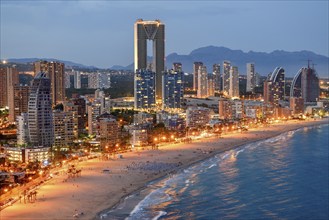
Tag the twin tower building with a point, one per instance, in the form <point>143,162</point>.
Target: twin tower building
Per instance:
<point>153,85</point>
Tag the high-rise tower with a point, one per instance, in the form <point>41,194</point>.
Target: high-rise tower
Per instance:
<point>306,85</point>
<point>217,77</point>
<point>196,66</point>
<point>8,80</point>
<point>202,91</point>
<point>40,117</point>
<point>251,77</point>
<point>55,72</point>
<point>234,82</point>
<point>154,31</point>
<point>226,77</point>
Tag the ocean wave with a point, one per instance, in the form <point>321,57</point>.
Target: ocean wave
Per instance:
<point>161,213</point>
<point>185,178</point>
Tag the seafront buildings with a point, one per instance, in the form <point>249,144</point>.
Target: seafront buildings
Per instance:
<point>168,105</point>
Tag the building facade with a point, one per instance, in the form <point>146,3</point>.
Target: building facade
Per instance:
<point>226,77</point>
<point>274,87</point>
<point>94,110</point>
<point>296,105</point>
<point>202,91</point>
<point>8,80</point>
<point>217,77</point>
<point>196,67</point>
<point>20,103</point>
<point>305,85</point>
<point>22,129</point>
<point>234,82</point>
<point>173,89</point>
<point>251,77</point>
<point>40,118</point>
<point>65,129</point>
<point>144,89</point>
<point>197,116</point>
<point>109,132</point>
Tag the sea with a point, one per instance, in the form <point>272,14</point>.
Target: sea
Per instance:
<point>284,177</point>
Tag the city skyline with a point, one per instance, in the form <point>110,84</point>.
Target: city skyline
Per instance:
<point>105,37</point>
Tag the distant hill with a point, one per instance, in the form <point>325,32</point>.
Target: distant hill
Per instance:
<point>264,62</point>
<point>67,63</point>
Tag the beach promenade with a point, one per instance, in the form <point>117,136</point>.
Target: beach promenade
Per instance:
<point>103,184</point>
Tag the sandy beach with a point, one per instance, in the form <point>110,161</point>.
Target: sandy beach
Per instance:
<point>95,190</point>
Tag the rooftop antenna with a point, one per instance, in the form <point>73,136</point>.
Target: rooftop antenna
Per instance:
<point>308,63</point>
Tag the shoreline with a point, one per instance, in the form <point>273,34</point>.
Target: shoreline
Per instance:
<point>96,192</point>
<point>136,201</point>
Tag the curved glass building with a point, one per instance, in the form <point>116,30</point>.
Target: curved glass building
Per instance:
<point>305,85</point>
<point>40,117</point>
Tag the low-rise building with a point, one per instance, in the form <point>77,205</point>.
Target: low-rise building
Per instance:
<point>198,116</point>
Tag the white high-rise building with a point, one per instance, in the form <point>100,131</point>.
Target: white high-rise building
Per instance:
<point>40,117</point>
<point>234,82</point>
<point>22,129</point>
<point>211,84</point>
<point>77,80</point>
<point>196,67</point>
<point>226,77</point>
<point>251,77</point>
<point>202,91</point>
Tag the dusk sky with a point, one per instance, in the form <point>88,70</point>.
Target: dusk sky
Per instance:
<point>100,33</point>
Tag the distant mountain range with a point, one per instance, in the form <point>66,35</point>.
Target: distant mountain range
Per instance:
<point>264,62</point>
<point>67,63</point>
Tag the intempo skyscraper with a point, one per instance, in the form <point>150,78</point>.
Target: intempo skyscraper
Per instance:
<point>154,31</point>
